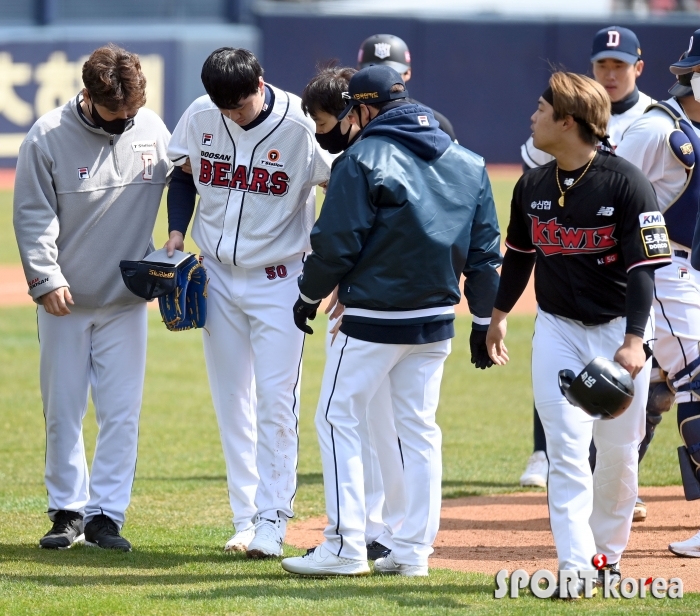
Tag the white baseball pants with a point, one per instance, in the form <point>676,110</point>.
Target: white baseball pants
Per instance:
<point>589,514</point>
<point>382,461</point>
<point>102,351</point>
<point>677,308</point>
<point>253,349</point>
<point>354,372</point>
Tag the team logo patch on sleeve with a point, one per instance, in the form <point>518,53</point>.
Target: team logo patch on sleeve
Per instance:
<point>656,242</point>
<point>207,139</point>
<point>651,219</point>
<point>83,173</point>
<point>423,120</point>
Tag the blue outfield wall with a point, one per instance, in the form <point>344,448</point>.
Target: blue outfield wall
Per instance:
<point>40,68</point>
<point>485,76</point>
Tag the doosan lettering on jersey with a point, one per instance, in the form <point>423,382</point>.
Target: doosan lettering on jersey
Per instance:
<point>251,180</point>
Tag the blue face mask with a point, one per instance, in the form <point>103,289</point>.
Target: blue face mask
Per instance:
<point>113,127</point>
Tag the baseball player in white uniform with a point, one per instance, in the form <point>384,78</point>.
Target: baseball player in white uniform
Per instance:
<point>382,462</point>
<point>255,164</point>
<point>590,225</point>
<point>665,144</point>
<point>90,176</point>
<point>616,64</point>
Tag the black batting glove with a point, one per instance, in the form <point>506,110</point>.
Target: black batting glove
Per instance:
<point>477,345</point>
<point>303,311</point>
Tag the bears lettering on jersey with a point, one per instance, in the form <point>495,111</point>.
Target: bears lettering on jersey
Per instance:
<point>259,180</point>
<point>553,239</point>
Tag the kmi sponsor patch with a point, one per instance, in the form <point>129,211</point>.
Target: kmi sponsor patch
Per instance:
<point>656,243</point>
<point>651,219</point>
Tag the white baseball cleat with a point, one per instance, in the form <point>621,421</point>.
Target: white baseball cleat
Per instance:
<point>689,547</point>
<point>640,511</point>
<point>536,472</point>
<point>319,561</point>
<point>240,541</point>
<point>388,565</point>
<point>268,540</point>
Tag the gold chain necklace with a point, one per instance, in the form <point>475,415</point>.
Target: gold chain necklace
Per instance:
<point>561,198</point>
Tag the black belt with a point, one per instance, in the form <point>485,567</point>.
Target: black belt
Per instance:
<point>683,254</point>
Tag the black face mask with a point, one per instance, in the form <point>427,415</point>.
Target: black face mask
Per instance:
<point>113,127</point>
<point>334,141</point>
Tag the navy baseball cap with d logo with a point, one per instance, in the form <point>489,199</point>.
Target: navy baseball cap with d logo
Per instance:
<point>690,59</point>
<point>616,43</point>
<point>372,85</point>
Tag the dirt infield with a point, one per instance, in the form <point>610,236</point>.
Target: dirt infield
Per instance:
<point>511,531</point>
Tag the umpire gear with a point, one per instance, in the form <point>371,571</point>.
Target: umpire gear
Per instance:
<point>604,389</point>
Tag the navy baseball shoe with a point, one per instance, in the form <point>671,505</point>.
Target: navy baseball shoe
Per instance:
<point>67,530</point>
<point>103,532</point>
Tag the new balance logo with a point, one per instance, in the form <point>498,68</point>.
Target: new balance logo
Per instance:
<point>606,211</point>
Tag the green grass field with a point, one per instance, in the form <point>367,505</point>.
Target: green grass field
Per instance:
<point>180,518</point>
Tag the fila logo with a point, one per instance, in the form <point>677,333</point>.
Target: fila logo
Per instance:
<point>606,211</point>
<point>683,273</point>
<point>554,239</point>
<point>651,219</point>
<point>382,50</point>
<point>423,120</point>
<point>83,173</point>
<point>207,139</point>
<point>613,38</point>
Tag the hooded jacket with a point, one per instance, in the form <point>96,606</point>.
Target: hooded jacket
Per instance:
<point>407,211</point>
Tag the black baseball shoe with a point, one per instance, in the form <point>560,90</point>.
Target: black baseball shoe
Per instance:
<point>102,532</point>
<point>613,573</point>
<point>66,531</point>
<point>376,550</point>
<point>579,592</point>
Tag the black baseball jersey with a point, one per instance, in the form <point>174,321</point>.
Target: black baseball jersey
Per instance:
<point>609,224</point>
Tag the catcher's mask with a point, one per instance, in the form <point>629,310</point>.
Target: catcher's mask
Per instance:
<point>154,276</point>
<point>604,389</point>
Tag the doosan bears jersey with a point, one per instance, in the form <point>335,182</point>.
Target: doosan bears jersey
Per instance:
<point>609,224</point>
<point>617,126</point>
<point>257,186</point>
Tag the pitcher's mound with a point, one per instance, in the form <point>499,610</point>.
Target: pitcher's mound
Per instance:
<point>511,531</point>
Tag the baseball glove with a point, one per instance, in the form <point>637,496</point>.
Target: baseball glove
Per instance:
<point>179,282</point>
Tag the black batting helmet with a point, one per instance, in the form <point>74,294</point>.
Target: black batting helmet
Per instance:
<point>604,389</point>
<point>384,49</point>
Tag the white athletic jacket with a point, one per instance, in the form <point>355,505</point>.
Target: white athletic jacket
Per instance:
<point>257,187</point>
<point>84,200</point>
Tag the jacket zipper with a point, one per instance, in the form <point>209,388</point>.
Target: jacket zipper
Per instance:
<point>114,155</point>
